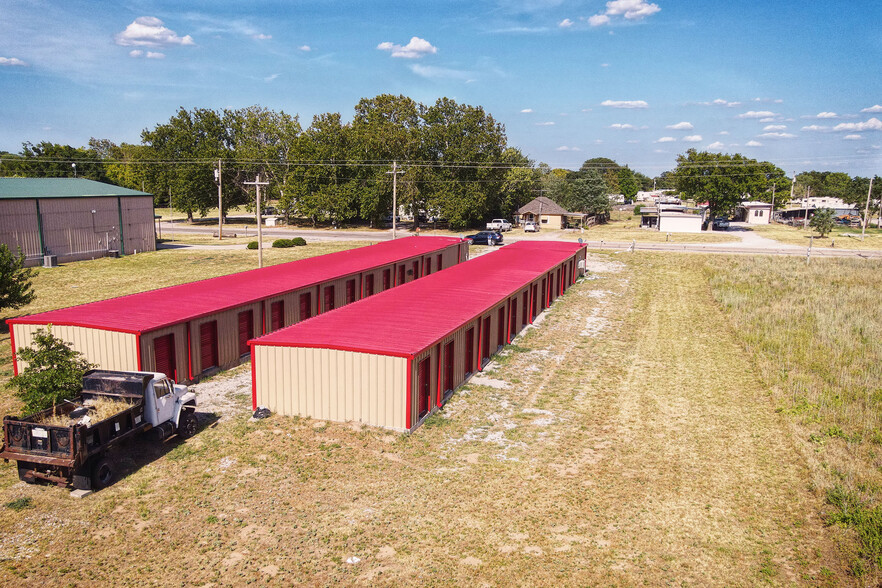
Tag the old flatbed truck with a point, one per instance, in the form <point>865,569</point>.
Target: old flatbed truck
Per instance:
<point>76,453</point>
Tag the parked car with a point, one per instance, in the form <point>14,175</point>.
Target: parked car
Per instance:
<point>499,224</point>
<point>486,238</point>
<point>721,224</point>
<point>531,227</point>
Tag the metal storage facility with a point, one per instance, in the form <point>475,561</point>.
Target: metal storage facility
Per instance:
<point>187,330</point>
<point>391,360</point>
<point>73,219</point>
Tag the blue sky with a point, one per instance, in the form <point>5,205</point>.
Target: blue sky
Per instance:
<point>794,83</point>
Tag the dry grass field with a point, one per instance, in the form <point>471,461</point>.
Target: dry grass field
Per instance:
<point>643,432</point>
<point>843,237</point>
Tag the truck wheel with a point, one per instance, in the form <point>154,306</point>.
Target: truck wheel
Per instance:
<point>187,424</point>
<point>102,474</point>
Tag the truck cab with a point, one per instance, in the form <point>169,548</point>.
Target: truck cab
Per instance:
<point>166,404</point>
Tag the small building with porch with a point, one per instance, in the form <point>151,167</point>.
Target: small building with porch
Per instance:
<point>753,213</point>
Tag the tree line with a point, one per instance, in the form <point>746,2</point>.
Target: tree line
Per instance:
<point>455,164</point>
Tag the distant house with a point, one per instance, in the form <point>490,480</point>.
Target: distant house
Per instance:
<point>73,219</point>
<point>754,213</point>
<point>545,212</point>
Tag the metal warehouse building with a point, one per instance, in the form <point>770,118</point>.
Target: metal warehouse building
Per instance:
<point>187,330</point>
<point>391,360</point>
<point>73,219</point>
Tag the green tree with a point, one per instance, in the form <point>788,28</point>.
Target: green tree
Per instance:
<point>822,221</point>
<point>54,372</point>
<point>589,194</point>
<point>15,279</point>
<point>188,146</point>
<point>724,180</point>
<point>628,183</point>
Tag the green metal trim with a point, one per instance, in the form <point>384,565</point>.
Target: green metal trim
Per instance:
<point>40,228</point>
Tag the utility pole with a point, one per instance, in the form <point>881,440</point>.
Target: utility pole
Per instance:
<point>218,176</point>
<point>257,184</point>
<point>867,210</point>
<point>395,171</point>
<point>808,194</point>
<point>772,212</point>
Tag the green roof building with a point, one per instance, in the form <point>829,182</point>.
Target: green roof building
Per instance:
<point>55,220</point>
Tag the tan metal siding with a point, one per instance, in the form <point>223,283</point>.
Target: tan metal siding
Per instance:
<point>148,359</point>
<point>331,385</point>
<point>227,336</point>
<point>109,350</point>
<point>19,228</point>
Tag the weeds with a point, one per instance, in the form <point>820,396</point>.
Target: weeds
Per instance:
<point>19,504</point>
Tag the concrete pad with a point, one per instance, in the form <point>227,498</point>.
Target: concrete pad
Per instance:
<point>80,493</point>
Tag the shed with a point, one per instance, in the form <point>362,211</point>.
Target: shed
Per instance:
<point>393,359</point>
<point>187,330</point>
<point>73,219</point>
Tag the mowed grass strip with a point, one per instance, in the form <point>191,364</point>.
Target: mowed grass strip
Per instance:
<point>815,332</point>
<point>622,440</point>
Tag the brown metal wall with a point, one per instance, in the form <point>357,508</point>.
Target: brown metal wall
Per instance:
<point>19,228</point>
<point>332,385</point>
<point>110,350</point>
<point>138,231</point>
<point>72,232</point>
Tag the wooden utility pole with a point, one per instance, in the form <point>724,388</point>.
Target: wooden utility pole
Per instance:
<point>257,184</point>
<point>808,194</point>
<point>395,171</point>
<point>867,210</point>
<point>220,206</point>
<point>772,212</point>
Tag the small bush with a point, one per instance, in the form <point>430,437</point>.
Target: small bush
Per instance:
<point>19,504</point>
<point>298,241</point>
<point>252,245</point>
<point>638,208</point>
<point>283,243</point>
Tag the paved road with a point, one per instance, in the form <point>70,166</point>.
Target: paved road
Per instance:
<point>751,243</point>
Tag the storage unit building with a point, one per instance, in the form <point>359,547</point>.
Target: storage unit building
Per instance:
<point>187,330</point>
<point>392,359</point>
<point>73,219</point>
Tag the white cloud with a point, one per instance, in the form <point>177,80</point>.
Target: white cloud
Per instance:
<point>261,37</point>
<point>565,148</point>
<point>270,78</point>
<point>545,124</point>
<point>12,61</point>
<point>415,49</point>
<point>693,139</point>
<point>565,23</point>
<point>604,65</point>
<point>724,133</point>
<point>876,108</point>
<point>777,136</point>
<point>874,124</point>
<point>149,31</point>
<point>753,144</point>
<point>622,127</point>
<point>625,103</point>
<point>155,55</point>
<point>756,114</point>
<point>720,102</point>
<point>630,9</point>
<point>826,115</point>
<point>681,126</point>
<point>715,145</point>
<point>598,20</point>
<point>665,140</point>
<point>136,53</point>
<point>305,48</point>
<point>852,137</point>
<point>527,111</point>
<point>815,128</point>
<point>432,72</point>
<point>775,127</point>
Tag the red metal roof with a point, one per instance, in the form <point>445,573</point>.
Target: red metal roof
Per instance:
<point>148,311</point>
<point>411,318</point>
